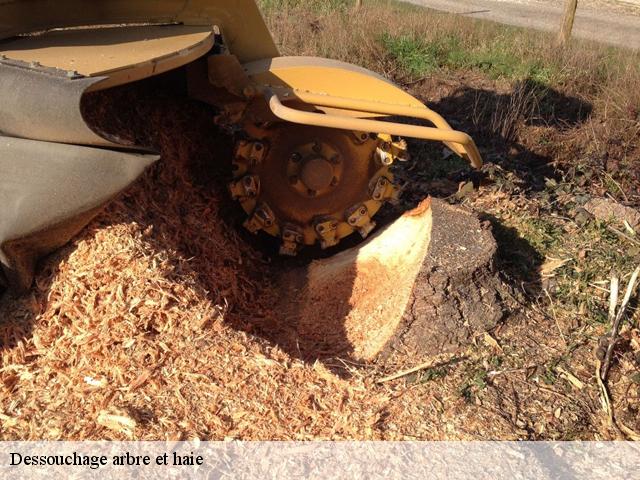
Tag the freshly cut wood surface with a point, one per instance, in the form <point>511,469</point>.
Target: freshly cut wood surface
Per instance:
<point>363,291</point>
<point>424,284</point>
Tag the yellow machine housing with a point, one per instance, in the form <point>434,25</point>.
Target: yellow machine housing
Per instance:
<point>313,146</point>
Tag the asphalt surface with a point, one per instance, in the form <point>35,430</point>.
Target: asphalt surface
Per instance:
<point>601,22</point>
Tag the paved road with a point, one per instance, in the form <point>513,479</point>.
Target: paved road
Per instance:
<point>595,21</point>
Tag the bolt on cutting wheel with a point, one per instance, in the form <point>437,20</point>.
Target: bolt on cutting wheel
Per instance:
<point>308,184</point>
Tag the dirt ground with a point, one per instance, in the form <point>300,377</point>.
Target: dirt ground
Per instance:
<point>156,322</point>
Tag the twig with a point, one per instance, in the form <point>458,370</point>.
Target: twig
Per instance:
<point>570,377</point>
<point>417,368</point>
<point>618,321</point>
<point>613,297</point>
<point>555,317</point>
<point>553,392</point>
<point>607,406</point>
<point>604,398</point>
<point>630,433</point>
<point>413,82</point>
<point>626,199</point>
<point>598,287</point>
<point>629,228</point>
<point>623,235</point>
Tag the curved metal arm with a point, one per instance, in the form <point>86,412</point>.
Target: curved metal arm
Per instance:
<point>459,142</point>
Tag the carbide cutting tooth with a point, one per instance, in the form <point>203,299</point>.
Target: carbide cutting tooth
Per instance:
<point>327,230</point>
<point>261,218</point>
<point>365,230</point>
<point>291,241</point>
<point>247,186</point>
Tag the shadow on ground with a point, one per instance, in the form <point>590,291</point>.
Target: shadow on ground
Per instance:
<point>511,129</point>
<point>502,124</point>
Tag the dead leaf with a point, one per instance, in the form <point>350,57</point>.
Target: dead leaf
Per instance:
<point>551,264</point>
<point>492,342</point>
<point>570,377</point>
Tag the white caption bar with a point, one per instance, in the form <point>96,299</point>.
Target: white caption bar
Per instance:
<point>321,460</point>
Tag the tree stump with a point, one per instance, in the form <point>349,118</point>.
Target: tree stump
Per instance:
<point>423,285</point>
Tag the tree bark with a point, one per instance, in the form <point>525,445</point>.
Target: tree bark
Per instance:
<point>458,293</point>
<point>567,22</point>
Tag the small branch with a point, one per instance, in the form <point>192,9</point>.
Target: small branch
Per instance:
<point>618,321</point>
<point>630,433</point>
<point>555,317</point>
<point>607,407</point>
<point>422,366</point>
<point>605,401</point>
<point>626,199</point>
<point>613,297</point>
<point>570,377</point>
<point>623,235</point>
<point>413,82</point>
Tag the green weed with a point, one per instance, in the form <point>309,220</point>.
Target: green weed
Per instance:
<point>418,57</point>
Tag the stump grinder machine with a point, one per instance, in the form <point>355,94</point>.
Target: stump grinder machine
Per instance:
<point>314,139</point>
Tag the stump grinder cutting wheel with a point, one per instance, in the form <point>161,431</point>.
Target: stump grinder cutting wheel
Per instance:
<point>313,148</point>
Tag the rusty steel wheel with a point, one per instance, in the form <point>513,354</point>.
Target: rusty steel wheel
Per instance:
<point>308,184</point>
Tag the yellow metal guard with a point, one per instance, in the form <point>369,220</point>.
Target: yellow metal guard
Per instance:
<point>459,142</point>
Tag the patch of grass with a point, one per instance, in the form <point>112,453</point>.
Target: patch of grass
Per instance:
<point>527,239</point>
<point>596,252</point>
<point>475,383</point>
<point>495,361</point>
<point>441,166</point>
<point>432,374</point>
<point>541,233</point>
<point>418,56</point>
<point>412,55</point>
<point>549,376</point>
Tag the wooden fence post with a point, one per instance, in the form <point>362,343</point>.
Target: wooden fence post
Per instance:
<point>567,22</point>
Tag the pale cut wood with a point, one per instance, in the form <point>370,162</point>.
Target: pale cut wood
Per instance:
<point>353,302</point>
